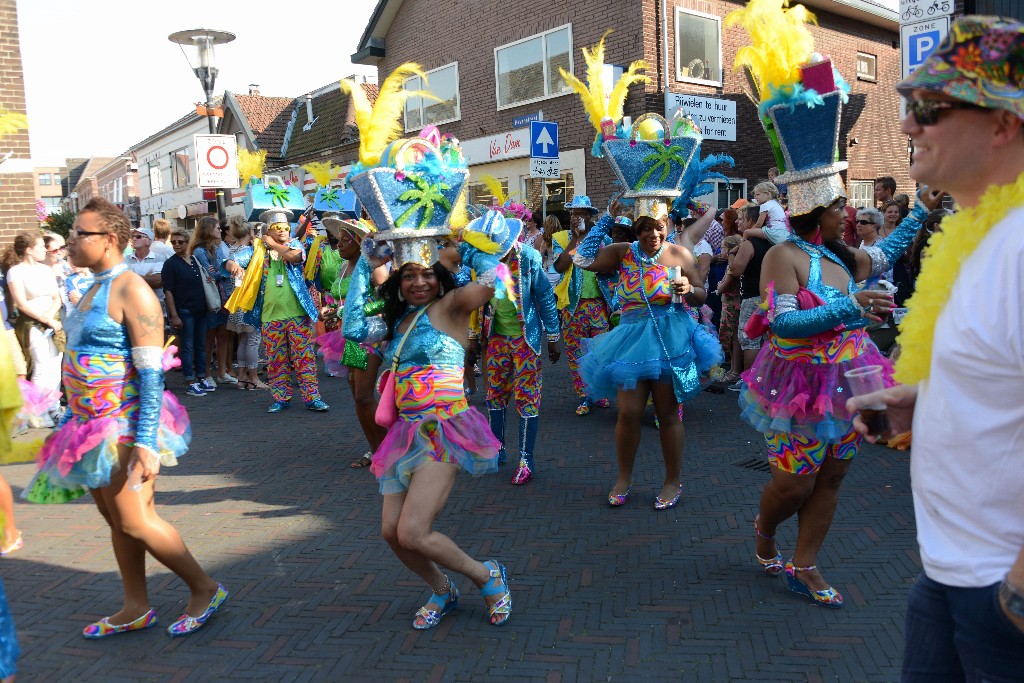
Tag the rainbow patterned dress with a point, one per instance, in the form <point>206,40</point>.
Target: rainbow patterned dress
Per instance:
<point>435,423</point>
<point>102,387</point>
<point>796,386</point>
<point>655,339</point>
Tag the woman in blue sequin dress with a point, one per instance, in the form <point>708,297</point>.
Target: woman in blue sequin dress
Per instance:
<point>121,426</point>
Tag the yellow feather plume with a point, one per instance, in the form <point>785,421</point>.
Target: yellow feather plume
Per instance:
<point>11,122</point>
<point>251,164</point>
<point>780,42</point>
<point>493,186</point>
<point>459,217</point>
<point>592,92</point>
<point>381,123</point>
<point>322,172</point>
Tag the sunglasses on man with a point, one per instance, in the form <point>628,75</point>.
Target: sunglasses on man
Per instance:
<point>926,112</point>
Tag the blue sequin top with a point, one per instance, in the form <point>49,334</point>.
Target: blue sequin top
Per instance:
<point>830,294</point>
<point>93,330</point>
<point>425,346</point>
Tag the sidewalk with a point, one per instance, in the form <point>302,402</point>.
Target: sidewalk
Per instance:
<point>269,506</point>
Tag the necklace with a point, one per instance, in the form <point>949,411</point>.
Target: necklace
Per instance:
<point>648,260</point>
<point>110,273</point>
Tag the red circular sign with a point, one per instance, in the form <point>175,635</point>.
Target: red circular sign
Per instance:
<point>211,162</point>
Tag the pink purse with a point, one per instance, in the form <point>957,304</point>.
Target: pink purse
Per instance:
<point>387,408</point>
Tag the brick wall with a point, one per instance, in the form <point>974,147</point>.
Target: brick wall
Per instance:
<point>468,33</point>
<point>17,190</point>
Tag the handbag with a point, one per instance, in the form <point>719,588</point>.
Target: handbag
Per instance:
<point>387,407</point>
<point>210,290</point>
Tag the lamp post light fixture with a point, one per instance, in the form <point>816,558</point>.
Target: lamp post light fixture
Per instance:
<point>204,40</point>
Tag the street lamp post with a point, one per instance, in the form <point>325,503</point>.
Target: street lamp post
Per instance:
<point>204,40</point>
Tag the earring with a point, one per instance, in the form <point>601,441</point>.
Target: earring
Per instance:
<point>400,297</point>
<point>440,290</point>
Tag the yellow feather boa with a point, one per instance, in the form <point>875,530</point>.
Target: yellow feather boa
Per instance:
<point>244,297</point>
<point>947,250</point>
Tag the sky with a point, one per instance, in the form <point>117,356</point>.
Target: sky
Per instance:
<point>101,76</point>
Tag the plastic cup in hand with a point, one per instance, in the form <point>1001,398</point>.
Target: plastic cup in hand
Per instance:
<point>867,380</point>
<point>674,272</point>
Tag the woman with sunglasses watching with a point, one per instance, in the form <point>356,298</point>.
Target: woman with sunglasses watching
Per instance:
<point>121,426</point>
<point>186,311</point>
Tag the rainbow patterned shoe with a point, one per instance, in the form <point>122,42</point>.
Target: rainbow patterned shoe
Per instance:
<point>661,504</point>
<point>186,624</point>
<point>104,629</point>
<point>829,597</point>
<point>523,473</point>
<point>603,403</point>
<point>619,499</point>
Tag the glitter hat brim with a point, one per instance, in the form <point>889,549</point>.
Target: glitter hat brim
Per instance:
<point>811,188</point>
<point>980,61</point>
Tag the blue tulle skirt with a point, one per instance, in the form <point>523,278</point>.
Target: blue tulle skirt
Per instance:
<point>633,352</point>
<point>9,651</point>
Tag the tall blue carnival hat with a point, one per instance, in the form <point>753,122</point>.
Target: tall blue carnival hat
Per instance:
<point>800,100</point>
<point>649,157</point>
<point>409,187</point>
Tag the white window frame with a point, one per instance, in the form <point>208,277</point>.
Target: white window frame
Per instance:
<point>154,166</point>
<point>734,183</point>
<point>866,188</point>
<point>423,118</point>
<point>544,61</point>
<point>187,151</point>
<point>675,38</point>
<point>873,60</point>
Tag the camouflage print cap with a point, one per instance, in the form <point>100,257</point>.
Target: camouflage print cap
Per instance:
<point>980,61</point>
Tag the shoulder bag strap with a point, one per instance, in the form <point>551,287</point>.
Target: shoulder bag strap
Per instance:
<point>398,351</point>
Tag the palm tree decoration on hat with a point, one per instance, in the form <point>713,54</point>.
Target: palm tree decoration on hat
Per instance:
<point>664,155</point>
<point>426,195</point>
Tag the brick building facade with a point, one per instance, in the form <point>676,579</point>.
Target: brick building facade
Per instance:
<point>471,36</point>
<point>17,180</point>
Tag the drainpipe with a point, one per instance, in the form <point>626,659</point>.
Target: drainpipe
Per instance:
<point>664,43</point>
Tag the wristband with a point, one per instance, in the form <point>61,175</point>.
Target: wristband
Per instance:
<point>553,338</point>
<point>1013,598</point>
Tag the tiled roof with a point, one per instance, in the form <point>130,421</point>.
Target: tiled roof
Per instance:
<point>268,119</point>
<point>334,126</point>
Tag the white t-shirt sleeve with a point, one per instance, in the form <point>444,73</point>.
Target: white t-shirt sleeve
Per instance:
<point>702,247</point>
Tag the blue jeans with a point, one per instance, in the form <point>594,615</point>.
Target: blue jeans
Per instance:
<point>959,634</point>
<point>192,344</point>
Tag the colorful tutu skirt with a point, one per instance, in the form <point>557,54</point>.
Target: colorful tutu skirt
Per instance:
<point>342,354</point>
<point>796,386</point>
<point>633,352</point>
<point>103,408</point>
<point>435,424</point>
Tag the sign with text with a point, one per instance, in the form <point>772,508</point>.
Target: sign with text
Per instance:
<point>525,119</point>
<point>919,40</point>
<point>216,160</point>
<point>545,168</point>
<point>544,139</point>
<point>499,147</point>
<point>922,10</point>
<point>716,117</point>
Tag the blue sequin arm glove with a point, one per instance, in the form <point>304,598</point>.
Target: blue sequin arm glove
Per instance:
<point>792,323</point>
<point>485,265</point>
<point>887,251</point>
<point>355,324</point>
<point>586,252</point>
<point>149,366</point>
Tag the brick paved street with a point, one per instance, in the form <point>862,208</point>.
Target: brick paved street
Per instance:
<point>269,506</point>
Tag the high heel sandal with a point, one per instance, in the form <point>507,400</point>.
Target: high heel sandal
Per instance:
<point>772,567</point>
<point>497,585</point>
<point>447,601</point>
<point>619,499</point>
<point>829,597</point>
<point>660,504</point>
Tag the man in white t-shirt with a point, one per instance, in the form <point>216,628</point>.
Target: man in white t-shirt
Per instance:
<point>965,614</point>
<point>146,262</point>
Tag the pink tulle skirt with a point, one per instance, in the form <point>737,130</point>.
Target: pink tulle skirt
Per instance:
<point>797,386</point>
<point>464,439</point>
<point>82,453</point>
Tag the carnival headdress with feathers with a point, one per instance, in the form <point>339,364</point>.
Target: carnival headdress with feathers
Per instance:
<point>779,43</point>
<point>598,107</point>
<point>381,123</point>
<point>322,171</point>
<point>251,165</point>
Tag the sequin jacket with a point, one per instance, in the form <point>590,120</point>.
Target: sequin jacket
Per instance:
<point>295,279</point>
<point>535,299</point>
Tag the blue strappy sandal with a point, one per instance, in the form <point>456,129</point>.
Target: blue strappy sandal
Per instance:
<point>501,610</point>
<point>427,618</point>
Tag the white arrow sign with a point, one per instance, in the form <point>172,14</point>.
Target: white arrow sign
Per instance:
<point>544,140</point>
